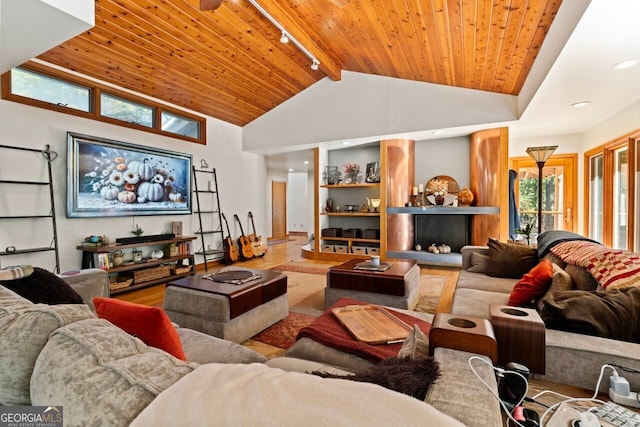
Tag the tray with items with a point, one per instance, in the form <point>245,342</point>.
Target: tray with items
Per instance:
<point>372,324</point>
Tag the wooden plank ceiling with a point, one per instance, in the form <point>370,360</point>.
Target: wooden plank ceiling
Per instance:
<point>229,63</point>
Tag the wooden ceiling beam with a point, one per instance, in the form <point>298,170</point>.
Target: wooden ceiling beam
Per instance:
<point>327,64</point>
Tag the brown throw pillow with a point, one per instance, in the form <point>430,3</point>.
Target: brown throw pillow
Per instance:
<point>510,260</point>
<point>412,377</point>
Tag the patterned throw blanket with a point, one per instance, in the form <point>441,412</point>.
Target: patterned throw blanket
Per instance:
<point>612,268</point>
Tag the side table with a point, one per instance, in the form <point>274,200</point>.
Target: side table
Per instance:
<point>521,336</point>
<point>464,333</point>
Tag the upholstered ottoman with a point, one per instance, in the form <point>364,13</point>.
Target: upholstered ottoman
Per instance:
<point>231,312</point>
<point>396,287</point>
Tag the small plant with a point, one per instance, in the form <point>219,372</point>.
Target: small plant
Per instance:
<point>526,231</point>
<point>137,231</point>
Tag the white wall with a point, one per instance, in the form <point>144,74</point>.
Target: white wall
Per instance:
<point>297,202</point>
<point>241,178</point>
<point>449,156</point>
<point>623,122</point>
<point>370,106</point>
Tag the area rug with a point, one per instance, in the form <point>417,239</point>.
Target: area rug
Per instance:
<point>305,288</point>
<point>283,333</point>
<point>301,281</point>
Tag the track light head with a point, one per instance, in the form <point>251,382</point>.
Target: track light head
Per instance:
<point>284,39</point>
<point>314,65</point>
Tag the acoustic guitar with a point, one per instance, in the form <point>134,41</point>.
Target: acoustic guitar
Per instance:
<point>259,248</point>
<point>246,250</point>
<point>230,250</point>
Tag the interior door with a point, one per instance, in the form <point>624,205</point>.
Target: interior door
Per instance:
<point>559,192</point>
<point>279,209</point>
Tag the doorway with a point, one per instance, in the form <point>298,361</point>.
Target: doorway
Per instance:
<point>559,192</point>
<point>278,210</point>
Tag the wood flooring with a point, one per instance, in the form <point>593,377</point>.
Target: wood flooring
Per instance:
<point>284,252</point>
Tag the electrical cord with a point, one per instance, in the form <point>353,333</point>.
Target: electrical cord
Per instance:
<point>572,399</point>
<point>488,387</point>
<point>625,368</point>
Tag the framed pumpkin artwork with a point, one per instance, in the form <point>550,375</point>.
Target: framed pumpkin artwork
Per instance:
<point>113,178</point>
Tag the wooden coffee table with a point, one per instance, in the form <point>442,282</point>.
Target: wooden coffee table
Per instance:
<point>224,310</point>
<point>395,287</point>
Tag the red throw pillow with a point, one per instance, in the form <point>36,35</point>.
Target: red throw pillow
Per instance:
<point>533,284</point>
<point>150,324</point>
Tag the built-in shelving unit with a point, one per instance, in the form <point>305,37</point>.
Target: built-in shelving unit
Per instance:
<point>350,214</point>
<point>349,210</point>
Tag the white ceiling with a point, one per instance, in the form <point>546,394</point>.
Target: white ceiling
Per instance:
<point>607,33</point>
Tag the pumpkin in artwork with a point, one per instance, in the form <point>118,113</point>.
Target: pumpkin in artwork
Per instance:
<point>151,191</point>
<point>127,197</point>
<point>144,170</point>
<point>109,193</point>
<point>129,186</point>
<point>175,197</point>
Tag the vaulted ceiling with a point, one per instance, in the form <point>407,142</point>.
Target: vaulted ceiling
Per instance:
<point>229,63</point>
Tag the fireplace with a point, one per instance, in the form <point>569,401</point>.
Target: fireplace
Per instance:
<point>451,230</point>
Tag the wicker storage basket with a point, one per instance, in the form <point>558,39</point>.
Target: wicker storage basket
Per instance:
<point>149,274</point>
<point>119,282</point>
<point>180,270</point>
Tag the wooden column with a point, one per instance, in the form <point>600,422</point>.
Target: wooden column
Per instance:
<point>397,163</point>
<point>489,179</point>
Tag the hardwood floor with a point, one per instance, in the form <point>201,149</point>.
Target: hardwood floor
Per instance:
<point>285,252</point>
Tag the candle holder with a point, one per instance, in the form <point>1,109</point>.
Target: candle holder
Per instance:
<point>420,199</point>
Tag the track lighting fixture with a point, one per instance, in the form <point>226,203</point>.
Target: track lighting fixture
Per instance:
<point>286,36</point>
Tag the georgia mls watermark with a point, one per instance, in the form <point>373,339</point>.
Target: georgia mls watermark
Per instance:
<point>31,416</point>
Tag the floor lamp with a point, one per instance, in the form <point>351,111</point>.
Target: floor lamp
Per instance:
<point>540,155</point>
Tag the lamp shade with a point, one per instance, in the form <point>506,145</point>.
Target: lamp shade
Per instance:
<point>541,154</point>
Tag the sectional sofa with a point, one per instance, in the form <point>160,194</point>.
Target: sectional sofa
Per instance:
<point>571,358</point>
<point>64,355</point>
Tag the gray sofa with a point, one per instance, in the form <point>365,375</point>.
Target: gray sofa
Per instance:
<point>64,355</point>
<point>571,358</point>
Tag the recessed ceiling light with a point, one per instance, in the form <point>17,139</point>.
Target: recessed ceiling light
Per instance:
<point>346,143</point>
<point>290,170</point>
<point>438,132</point>
<point>306,162</point>
<point>580,104</point>
<point>626,64</point>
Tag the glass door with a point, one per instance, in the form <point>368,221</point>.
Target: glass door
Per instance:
<point>596,197</point>
<point>620,197</point>
<point>559,186</point>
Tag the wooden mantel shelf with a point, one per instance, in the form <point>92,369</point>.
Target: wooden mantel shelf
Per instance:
<point>445,210</point>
